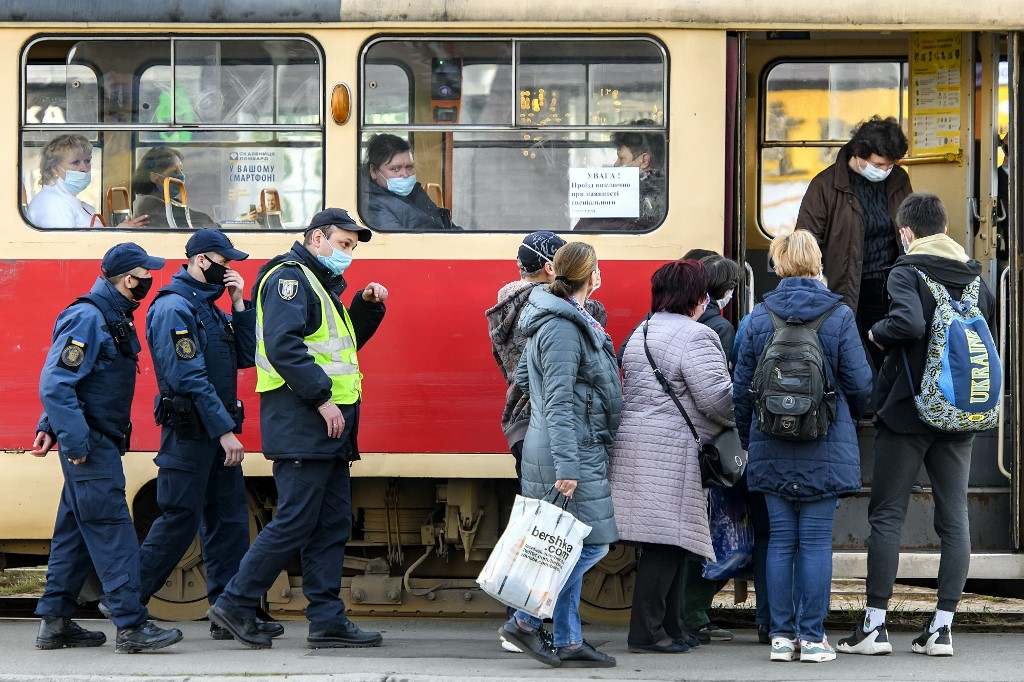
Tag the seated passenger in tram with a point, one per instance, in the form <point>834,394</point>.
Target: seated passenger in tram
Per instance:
<point>392,199</point>
<point>645,151</point>
<point>65,167</point>
<point>148,186</point>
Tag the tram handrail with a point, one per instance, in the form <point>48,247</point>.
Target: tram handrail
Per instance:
<point>1004,292</point>
<point>750,287</point>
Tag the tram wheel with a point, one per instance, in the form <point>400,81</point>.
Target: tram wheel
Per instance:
<point>608,587</point>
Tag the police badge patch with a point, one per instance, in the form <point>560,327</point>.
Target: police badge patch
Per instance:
<point>287,288</point>
<point>72,356</point>
<point>184,344</point>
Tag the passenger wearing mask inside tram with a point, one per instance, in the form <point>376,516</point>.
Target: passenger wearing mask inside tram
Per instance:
<point>850,207</point>
<point>65,168</point>
<point>645,151</point>
<point>148,187</point>
<point>392,198</point>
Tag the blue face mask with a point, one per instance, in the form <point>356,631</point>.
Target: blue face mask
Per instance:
<point>403,187</point>
<point>76,181</point>
<point>337,262</point>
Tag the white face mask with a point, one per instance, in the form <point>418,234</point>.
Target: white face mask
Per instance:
<point>75,181</point>
<point>873,173</point>
<point>724,301</point>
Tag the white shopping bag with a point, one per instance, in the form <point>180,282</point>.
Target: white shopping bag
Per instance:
<point>534,556</point>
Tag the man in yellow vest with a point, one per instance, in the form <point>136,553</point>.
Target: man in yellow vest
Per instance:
<point>310,385</point>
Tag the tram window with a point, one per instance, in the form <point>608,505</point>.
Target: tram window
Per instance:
<point>240,119</point>
<point>499,158</point>
<point>809,110</point>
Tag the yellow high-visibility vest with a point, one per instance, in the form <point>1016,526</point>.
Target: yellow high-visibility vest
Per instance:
<point>332,346</point>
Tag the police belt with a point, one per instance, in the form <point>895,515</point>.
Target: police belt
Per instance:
<point>123,440</point>
<point>179,413</point>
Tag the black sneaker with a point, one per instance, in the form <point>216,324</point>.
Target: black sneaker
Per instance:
<point>240,626</point>
<point>146,637</point>
<point>342,635</point>
<point>691,639</point>
<point>873,643</point>
<point>585,656</point>
<point>763,634</point>
<point>709,632</point>
<point>57,633</point>
<point>270,629</point>
<point>530,643</point>
<point>938,643</point>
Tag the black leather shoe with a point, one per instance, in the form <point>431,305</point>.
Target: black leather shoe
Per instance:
<point>585,657</point>
<point>676,646</point>
<point>531,643</point>
<point>690,639</point>
<point>57,633</point>
<point>343,635</point>
<point>270,629</point>
<point>146,637</point>
<point>241,627</point>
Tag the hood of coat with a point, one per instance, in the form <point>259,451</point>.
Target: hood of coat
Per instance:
<point>544,306</point>
<point>502,318</point>
<point>800,298</point>
<point>947,271</point>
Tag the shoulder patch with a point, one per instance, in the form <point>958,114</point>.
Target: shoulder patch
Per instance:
<point>184,343</point>
<point>72,356</point>
<point>287,288</point>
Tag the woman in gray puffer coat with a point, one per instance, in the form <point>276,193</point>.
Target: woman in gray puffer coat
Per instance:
<point>660,503</point>
<point>569,372</point>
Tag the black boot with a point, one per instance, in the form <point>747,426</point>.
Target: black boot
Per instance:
<point>270,629</point>
<point>57,633</point>
<point>146,637</point>
<point>243,628</point>
<point>344,634</point>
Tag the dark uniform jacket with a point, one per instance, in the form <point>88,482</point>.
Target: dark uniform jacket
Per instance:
<point>291,425</point>
<point>386,210</point>
<point>179,339</point>
<point>713,318</point>
<point>831,212</point>
<point>906,329</point>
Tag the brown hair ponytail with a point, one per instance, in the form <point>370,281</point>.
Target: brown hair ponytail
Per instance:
<point>573,265</point>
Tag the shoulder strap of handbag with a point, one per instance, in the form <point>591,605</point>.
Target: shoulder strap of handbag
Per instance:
<point>668,387</point>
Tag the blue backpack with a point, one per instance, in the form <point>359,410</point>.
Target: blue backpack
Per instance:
<point>962,372</point>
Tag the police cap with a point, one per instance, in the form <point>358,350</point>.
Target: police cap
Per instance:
<point>127,256</point>
<point>339,217</point>
<point>209,240</point>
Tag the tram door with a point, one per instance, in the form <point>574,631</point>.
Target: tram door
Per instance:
<point>802,94</point>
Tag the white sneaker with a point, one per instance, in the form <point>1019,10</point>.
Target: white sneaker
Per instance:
<point>509,646</point>
<point>938,643</point>
<point>816,652</point>
<point>784,649</point>
<point>874,643</point>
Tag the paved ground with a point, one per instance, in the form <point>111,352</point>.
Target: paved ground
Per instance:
<point>466,650</point>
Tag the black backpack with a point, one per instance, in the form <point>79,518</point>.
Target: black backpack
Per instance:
<point>793,396</point>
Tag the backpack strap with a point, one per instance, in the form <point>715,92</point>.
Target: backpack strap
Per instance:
<point>668,387</point>
<point>816,323</point>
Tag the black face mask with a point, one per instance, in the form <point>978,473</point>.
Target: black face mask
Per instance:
<point>140,290</point>
<point>215,273</point>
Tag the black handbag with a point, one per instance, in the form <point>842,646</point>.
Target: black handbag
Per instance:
<point>722,458</point>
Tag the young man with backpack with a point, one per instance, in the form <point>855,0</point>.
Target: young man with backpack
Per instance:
<point>938,385</point>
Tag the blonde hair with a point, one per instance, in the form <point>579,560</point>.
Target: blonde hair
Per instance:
<point>796,254</point>
<point>53,154</point>
<point>573,265</point>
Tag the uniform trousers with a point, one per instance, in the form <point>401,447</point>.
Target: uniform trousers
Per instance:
<point>94,530</point>
<point>313,518</point>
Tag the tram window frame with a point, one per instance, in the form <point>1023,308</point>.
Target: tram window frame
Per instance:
<point>762,107</point>
<point>364,130</point>
<point>96,130</point>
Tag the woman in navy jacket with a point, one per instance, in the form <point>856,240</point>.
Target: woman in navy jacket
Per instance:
<point>801,481</point>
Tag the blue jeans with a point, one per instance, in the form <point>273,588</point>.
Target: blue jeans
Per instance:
<point>566,618</point>
<point>800,566</point>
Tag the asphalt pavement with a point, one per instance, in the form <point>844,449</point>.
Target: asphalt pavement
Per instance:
<point>429,649</point>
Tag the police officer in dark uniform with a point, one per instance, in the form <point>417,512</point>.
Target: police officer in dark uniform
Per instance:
<point>197,350</point>
<point>309,382</point>
<point>86,387</point>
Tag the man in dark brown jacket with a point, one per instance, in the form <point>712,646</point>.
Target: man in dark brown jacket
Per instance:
<point>850,208</point>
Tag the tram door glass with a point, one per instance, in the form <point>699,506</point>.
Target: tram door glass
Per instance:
<point>808,112</point>
<point>239,120</point>
<point>499,131</point>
